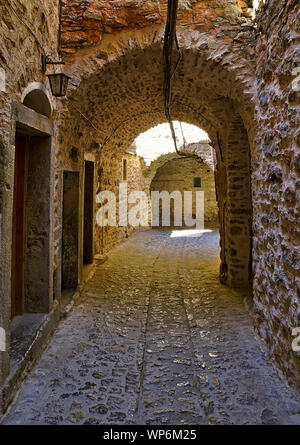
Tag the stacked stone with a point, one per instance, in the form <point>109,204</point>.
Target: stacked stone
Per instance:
<point>85,23</point>
<point>276,183</point>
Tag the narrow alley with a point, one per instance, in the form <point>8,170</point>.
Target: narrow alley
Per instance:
<point>156,339</point>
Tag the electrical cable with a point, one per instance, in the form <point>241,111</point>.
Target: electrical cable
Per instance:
<point>184,141</point>
<point>169,40</point>
<point>84,116</point>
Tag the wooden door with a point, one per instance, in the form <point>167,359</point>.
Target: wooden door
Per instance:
<point>88,224</point>
<point>17,268</point>
<point>70,230</point>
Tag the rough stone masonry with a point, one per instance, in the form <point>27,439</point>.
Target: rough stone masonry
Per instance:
<point>236,79</point>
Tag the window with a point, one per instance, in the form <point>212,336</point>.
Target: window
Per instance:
<point>124,173</point>
<point>197,182</point>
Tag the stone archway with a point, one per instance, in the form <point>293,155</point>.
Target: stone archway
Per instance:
<point>211,89</point>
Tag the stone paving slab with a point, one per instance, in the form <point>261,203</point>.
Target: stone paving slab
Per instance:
<point>156,339</point>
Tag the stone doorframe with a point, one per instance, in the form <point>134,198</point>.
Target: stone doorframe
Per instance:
<point>38,127</point>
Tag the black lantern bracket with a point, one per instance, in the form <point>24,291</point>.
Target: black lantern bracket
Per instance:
<point>58,81</point>
<point>47,61</point>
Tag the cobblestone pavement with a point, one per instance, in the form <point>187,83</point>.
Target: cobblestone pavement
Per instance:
<point>156,339</point>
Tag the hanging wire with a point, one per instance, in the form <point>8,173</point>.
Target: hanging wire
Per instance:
<point>84,116</point>
<point>169,40</point>
<point>184,140</point>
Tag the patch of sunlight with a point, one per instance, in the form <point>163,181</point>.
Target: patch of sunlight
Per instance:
<point>189,233</point>
<point>256,5</point>
<point>158,141</point>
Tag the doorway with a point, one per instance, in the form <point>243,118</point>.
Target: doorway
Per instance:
<point>70,230</point>
<point>88,225</point>
<point>31,283</point>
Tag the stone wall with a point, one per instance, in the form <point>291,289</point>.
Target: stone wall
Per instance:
<point>76,143</point>
<point>276,183</point>
<point>203,150</point>
<point>110,176</point>
<point>178,175</point>
<point>85,23</point>
<point>20,59</point>
<point>113,96</point>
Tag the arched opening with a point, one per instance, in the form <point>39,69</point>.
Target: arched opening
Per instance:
<point>185,176</point>
<point>213,98</point>
<point>36,98</point>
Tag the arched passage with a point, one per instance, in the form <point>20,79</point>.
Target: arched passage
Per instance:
<point>115,97</point>
<point>113,53</point>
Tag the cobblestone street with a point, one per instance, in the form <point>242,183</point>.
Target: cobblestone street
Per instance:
<point>156,339</point>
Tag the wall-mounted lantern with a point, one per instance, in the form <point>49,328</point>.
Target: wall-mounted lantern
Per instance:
<point>58,81</point>
<point>58,84</point>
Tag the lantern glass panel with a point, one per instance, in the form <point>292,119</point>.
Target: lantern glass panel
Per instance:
<point>58,84</point>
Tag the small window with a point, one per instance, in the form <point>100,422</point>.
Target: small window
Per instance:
<point>124,174</point>
<point>197,182</point>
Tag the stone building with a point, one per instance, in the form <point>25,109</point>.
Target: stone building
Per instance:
<point>237,79</point>
<point>188,175</point>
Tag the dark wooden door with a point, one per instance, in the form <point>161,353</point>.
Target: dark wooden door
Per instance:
<point>17,268</point>
<point>70,230</point>
<point>88,226</point>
